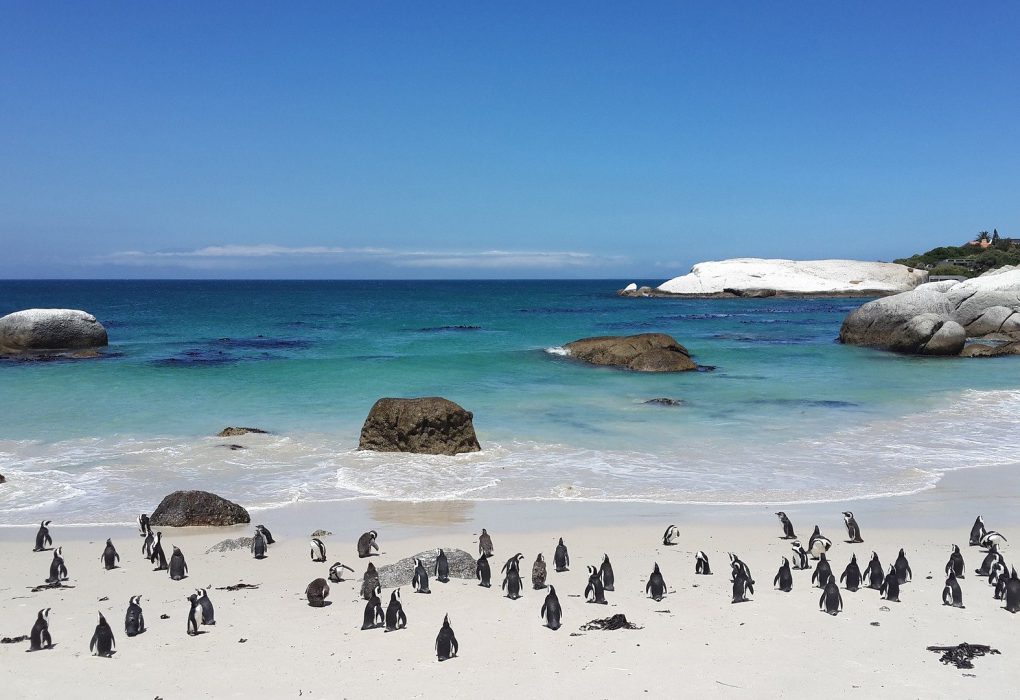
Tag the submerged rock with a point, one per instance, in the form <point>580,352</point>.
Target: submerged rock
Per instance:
<point>43,330</point>
<point>645,352</point>
<point>984,350</point>
<point>231,431</point>
<point>664,401</point>
<point>462,565</point>
<point>188,508</point>
<point>429,425</point>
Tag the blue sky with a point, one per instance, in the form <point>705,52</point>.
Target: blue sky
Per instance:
<point>405,140</point>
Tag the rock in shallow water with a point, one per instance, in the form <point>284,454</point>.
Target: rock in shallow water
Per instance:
<point>462,565</point>
<point>645,352</point>
<point>429,425</point>
<point>193,508</point>
<point>40,330</point>
<point>235,432</point>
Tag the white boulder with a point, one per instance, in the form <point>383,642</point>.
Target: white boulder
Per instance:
<point>35,330</point>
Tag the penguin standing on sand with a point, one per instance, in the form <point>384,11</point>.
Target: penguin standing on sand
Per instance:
<point>903,572</point>
<point>265,533</point>
<point>831,600</point>
<point>374,615</point>
<point>955,565</point>
<point>800,556</point>
<point>853,531</point>
<point>40,637</point>
<point>671,535</point>
<point>851,575</point>
<point>336,572</point>
<point>656,586</point>
<point>147,544</point>
<point>818,543</point>
<point>538,573</point>
<point>1000,587</point>
<point>158,556</point>
<point>259,546</point>
<point>788,533</point>
<point>144,526</point>
<point>873,573</point>
<point>102,643</point>
<point>134,621</point>
<point>208,615</point>
<point>594,592</point>
<point>395,617</point>
<point>951,594</point>
<point>784,577</point>
<point>370,581</point>
<point>446,641</point>
<point>701,565</point>
<point>990,560</point>
<point>485,544</point>
<point>366,543</point>
<point>606,572</point>
<point>482,571</point>
<point>178,567</point>
<point>193,615</point>
<point>42,538</point>
<point>551,610</point>
<point>420,582</point>
<point>512,580</point>
<point>977,532</point>
<point>316,592</point>
<point>890,589</point>
<point>58,570</point>
<point>741,586</point>
<point>823,570</point>
<point>1012,595</point>
<point>317,550</point>
<point>992,537</point>
<point>997,573</point>
<point>739,566</point>
<point>109,557</point>
<point>561,558</point>
<point>442,568</point>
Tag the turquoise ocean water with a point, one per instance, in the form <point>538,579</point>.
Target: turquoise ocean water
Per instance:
<point>787,415</point>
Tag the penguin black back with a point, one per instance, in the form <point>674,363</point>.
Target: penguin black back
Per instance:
<point>102,643</point>
<point>395,617</point>
<point>109,557</point>
<point>955,565</point>
<point>446,641</point>
<point>40,636</point>
<point>442,567</point>
<point>374,615</point>
<point>831,600</point>
<point>512,581</point>
<point>903,571</point>
<point>42,537</point>
<point>178,567</point>
<point>134,621</point>
<point>851,575</point>
<point>366,543</point>
<point>316,592</point>
<point>420,581</point>
<point>656,586</point>
<point>702,566</point>
<point>606,572</point>
<point>370,581</point>
<point>538,573</point>
<point>822,571</point>
<point>977,531</point>
<point>784,577</point>
<point>158,556</point>
<point>561,558</point>
<point>485,544</point>
<point>594,591</point>
<point>873,573</point>
<point>482,571</point>
<point>193,615</point>
<point>259,546</point>
<point>890,589</point>
<point>551,610</point>
<point>208,616</point>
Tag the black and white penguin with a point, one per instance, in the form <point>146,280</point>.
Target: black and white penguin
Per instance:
<point>374,615</point>
<point>40,637</point>
<point>58,570</point>
<point>336,572</point>
<point>741,587</point>
<point>485,544</point>
<point>903,572</point>
<point>656,586</point>
<point>512,580</point>
<point>818,543</point>
<point>42,538</point>
<point>538,573</point>
<point>1000,587</point>
<point>955,565</point>
<point>606,572</point>
<point>316,592</point>
<point>208,615</point>
<point>266,533</point>
<point>1012,596</point>
<point>989,561</point>
<point>992,537</point>
<point>395,617</point>
<point>442,568</point>
<point>370,581</point>
<point>551,610</point>
<point>740,567</point>
<point>561,558</point>
<point>788,533</point>
<point>594,592</point>
<point>366,543</point>
<point>998,572</point>
<point>853,531</point>
<point>671,535</point>
<point>890,589</point>
<point>317,550</point>
<point>951,594</point>
<point>158,556</point>
<point>851,576</point>
<point>259,546</point>
<point>873,572</point>
<point>178,567</point>
<point>831,600</point>
<point>420,582</point>
<point>446,641</point>
<point>147,544</point>
<point>144,526</point>
<point>823,570</point>
<point>784,577</point>
<point>482,571</point>
<point>109,557</point>
<point>800,556</point>
<point>977,532</point>
<point>102,643</point>
<point>513,562</point>
<point>134,620</point>
<point>701,565</point>
<point>193,615</point>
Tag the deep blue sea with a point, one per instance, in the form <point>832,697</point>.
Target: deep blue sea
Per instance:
<point>787,414</point>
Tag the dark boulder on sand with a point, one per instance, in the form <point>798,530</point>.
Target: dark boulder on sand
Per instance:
<point>645,352</point>
<point>187,508</point>
<point>462,565</point>
<point>430,425</point>
<point>46,330</point>
<point>231,431</point>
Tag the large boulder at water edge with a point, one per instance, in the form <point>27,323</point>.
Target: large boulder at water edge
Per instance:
<point>430,425</point>
<point>938,317</point>
<point>185,508</point>
<point>645,352</point>
<point>41,330</point>
<point>462,565</point>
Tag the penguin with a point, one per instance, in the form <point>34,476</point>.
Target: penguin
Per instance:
<point>1012,595</point>
<point>512,580</point>
<point>903,568</point>
<point>992,537</point>
<point>259,546</point>
<point>336,572</point>
<point>442,568</point>
<point>977,532</point>
<point>482,572</point>
<point>561,558</point>
<point>370,581</point>
<point>102,643</point>
<point>955,565</point>
<point>990,559</point>
<point>317,550</point>
<point>446,641</point>
<point>740,567</point>
<point>788,533</point>
<point>374,615</point>
<point>851,575</point>
<point>784,577</point>
<point>606,572</point>
<point>134,621</point>
<point>823,570</point>
<point>316,592</point>
<point>485,544</point>
<point>671,535</point>
<point>178,567</point>
<point>551,610</point>
<point>997,573</point>
<point>395,617</point>
<point>366,543</point>
<point>831,600</point>
<point>741,587</point>
<point>853,531</point>
<point>890,589</point>
<point>147,545</point>
<point>193,615</point>
<point>594,592</point>
<point>158,556</point>
<point>538,573</point>
<point>144,526</point>
<point>1000,587</point>
<point>800,556</point>
<point>701,565</point>
<point>58,570</point>
<point>951,594</point>
<point>420,582</point>
<point>818,543</point>
<point>513,562</point>
<point>873,572</point>
<point>208,616</point>
<point>40,637</point>
<point>42,538</point>
<point>109,557</point>
<point>656,586</point>
<point>266,534</point>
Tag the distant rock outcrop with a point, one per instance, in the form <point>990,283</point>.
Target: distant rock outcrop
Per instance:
<point>645,352</point>
<point>462,565</point>
<point>187,508</point>
<point>47,330</point>
<point>235,432</point>
<point>429,425</point>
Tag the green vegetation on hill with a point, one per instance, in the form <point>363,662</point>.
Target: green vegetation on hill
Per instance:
<point>967,260</point>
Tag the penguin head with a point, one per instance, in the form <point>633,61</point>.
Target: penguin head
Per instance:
<point>847,514</point>
<point>102,621</point>
<point>540,557</point>
<point>395,596</point>
<point>561,540</point>
<point>373,533</point>
<point>818,530</point>
<point>446,620</point>
<point>552,590</point>
<point>591,570</point>
<point>786,562</point>
<point>371,568</point>
<point>44,614</point>
<point>136,599</point>
<point>795,543</point>
<point>46,523</point>
<point>192,598</point>
<point>902,553</point>
<point>484,531</point>
<point>782,515</point>
<point>655,568</point>
<point>58,552</point>
<point>518,557</point>
<point>853,558</point>
<point>177,550</point>
<point>109,542</point>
